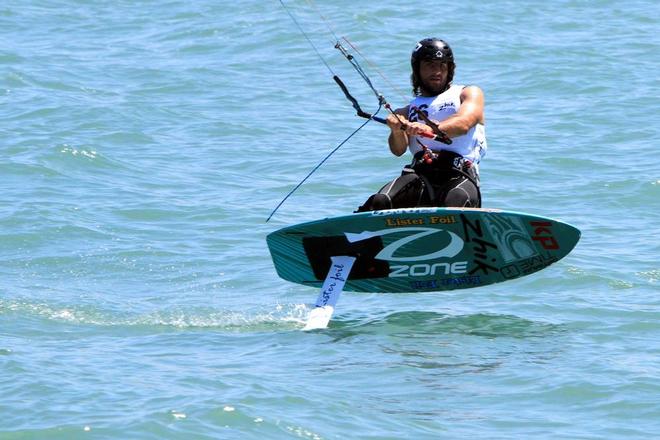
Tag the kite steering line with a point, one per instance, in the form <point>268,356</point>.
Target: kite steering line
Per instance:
<point>438,135</point>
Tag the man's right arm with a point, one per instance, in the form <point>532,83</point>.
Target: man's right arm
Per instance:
<point>398,139</point>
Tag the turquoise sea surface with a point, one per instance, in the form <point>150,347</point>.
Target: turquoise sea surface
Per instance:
<point>144,143</point>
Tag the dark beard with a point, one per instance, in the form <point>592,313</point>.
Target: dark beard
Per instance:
<point>429,90</point>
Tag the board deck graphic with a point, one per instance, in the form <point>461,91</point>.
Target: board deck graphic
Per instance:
<point>422,249</point>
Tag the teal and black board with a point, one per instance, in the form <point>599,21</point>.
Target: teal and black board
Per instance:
<point>422,249</point>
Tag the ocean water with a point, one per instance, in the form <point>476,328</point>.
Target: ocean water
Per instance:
<point>144,144</point>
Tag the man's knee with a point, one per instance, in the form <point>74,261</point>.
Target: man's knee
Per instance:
<point>463,197</point>
<point>376,202</point>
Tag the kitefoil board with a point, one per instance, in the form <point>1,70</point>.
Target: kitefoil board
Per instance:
<point>415,250</point>
<point>421,249</point>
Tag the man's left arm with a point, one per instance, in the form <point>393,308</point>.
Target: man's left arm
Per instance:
<point>469,114</point>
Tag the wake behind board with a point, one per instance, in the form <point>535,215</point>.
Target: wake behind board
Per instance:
<point>421,249</point>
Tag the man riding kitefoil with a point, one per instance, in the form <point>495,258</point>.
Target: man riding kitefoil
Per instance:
<point>443,172</point>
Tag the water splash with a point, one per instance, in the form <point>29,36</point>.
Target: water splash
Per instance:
<point>280,317</point>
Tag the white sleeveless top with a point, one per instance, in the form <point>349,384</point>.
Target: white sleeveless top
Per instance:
<point>471,145</point>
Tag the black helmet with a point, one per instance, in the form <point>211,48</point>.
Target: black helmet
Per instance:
<point>430,49</point>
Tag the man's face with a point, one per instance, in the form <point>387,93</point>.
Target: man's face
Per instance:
<point>433,75</point>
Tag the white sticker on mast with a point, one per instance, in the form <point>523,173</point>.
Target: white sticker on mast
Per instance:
<point>340,268</point>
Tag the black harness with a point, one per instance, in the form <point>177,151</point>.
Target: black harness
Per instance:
<point>439,169</point>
